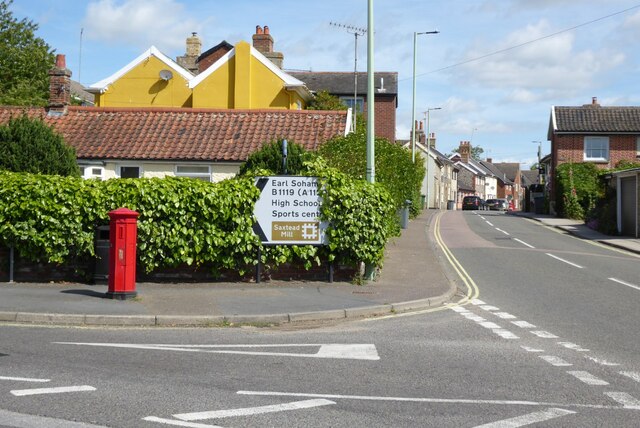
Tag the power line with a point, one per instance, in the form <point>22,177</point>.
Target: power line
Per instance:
<point>528,42</point>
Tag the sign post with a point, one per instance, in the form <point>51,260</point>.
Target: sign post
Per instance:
<point>288,212</point>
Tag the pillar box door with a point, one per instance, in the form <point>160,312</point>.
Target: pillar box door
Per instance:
<point>122,254</point>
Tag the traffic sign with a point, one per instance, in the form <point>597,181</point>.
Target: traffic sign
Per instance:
<point>288,211</point>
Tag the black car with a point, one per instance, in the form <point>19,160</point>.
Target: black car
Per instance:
<point>473,203</point>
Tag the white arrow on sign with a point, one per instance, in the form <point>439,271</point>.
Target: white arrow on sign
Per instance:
<point>325,350</point>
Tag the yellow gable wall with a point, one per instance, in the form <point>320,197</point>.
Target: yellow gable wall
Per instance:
<point>143,87</point>
<point>244,82</point>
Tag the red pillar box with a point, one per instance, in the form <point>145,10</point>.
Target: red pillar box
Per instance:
<point>122,254</point>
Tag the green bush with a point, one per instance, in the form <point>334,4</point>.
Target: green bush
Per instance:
<point>578,188</point>
<point>185,221</point>
<point>269,158</point>
<point>393,166</point>
<point>29,145</point>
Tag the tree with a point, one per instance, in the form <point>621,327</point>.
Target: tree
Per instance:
<point>476,152</point>
<point>394,167</point>
<point>29,145</point>
<point>25,61</point>
<point>270,158</point>
<point>325,101</point>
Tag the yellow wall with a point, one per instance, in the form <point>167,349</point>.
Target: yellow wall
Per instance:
<point>244,83</point>
<point>143,87</point>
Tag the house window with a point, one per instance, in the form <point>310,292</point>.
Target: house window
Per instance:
<point>349,103</point>
<point>92,172</point>
<point>638,147</point>
<point>199,172</point>
<point>129,172</point>
<point>596,148</point>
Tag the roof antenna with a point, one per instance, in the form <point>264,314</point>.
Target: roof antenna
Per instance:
<point>356,31</point>
<point>80,58</point>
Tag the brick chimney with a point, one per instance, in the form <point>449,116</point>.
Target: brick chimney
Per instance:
<point>465,151</point>
<point>432,140</point>
<point>59,86</point>
<point>263,42</point>
<point>193,51</point>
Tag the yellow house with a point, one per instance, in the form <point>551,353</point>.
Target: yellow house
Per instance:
<point>243,78</point>
<point>150,80</point>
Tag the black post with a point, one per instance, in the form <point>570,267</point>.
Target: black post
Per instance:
<point>284,157</point>
<point>259,265</point>
<point>331,272</point>
<point>11,262</point>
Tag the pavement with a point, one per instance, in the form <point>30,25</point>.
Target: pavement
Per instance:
<point>411,279</point>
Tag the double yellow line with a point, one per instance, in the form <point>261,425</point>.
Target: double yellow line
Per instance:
<point>472,289</point>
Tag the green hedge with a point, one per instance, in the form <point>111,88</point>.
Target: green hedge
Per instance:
<point>185,221</point>
<point>578,188</point>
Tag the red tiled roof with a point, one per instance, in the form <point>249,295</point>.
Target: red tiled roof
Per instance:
<point>184,134</point>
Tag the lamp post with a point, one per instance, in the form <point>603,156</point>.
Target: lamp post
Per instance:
<point>427,116</point>
<point>539,143</point>
<point>413,105</point>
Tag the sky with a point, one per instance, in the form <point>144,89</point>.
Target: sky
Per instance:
<point>495,68</point>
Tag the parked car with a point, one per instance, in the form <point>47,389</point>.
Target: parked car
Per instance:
<point>497,204</point>
<point>473,203</point>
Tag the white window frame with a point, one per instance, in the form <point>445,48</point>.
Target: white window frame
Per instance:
<point>92,171</point>
<point>603,142</point>
<point>191,174</point>
<point>638,147</point>
<point>140,173</point>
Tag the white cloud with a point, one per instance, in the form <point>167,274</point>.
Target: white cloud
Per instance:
<point>142,23</point>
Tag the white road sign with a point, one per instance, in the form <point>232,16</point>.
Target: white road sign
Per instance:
<point>288,211</point>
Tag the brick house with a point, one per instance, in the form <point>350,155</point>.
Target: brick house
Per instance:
<point>342,85</point>
<point>593,133</point>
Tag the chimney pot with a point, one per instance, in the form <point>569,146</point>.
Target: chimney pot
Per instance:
<point>258,29</point>
<point>266,29</point>
<point>61,61</point>
<point>594,100</point>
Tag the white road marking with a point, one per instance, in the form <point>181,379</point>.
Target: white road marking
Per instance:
<point>524,243</point>
<point>500,230</point>
<point>505,334</point>
<point>459,309</point>
<point>601,362</point>
<point>573,346</point>
<point>555,361</point>
<point>489,324</point>
<point>178,423</point>
<point>473,317</point>
<point>587,378</point>
<point>13,419</point>
<point>564,261</point>
<point>24,379</point>
<point>632,375</point>
<point>489,308</point>
<point>625,283</point>
<point>529,349</point>
<point>429,400</point>
<point>477,302</point>
<point>628,401</point>
<point>528,419</point>
<point>504,315</point>
<point>523,324</point>
<point>489,223</point>
<point>544,334</point>
<point>247,411</point>
<point>58,390</point>
<point>326,350</point>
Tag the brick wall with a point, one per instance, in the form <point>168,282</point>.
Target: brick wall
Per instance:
<point>385,117</point>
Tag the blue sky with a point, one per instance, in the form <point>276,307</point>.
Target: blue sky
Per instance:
<point>550,52</point>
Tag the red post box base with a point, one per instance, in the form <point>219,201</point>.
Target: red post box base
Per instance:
<point>120,295</point>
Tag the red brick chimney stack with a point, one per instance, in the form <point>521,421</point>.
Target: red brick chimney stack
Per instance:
<point>263,42</point>
<point>59,86</point>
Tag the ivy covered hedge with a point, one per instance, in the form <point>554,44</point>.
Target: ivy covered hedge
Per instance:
<point>184,221</point>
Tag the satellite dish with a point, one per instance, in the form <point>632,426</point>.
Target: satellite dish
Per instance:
<point>166,75</point>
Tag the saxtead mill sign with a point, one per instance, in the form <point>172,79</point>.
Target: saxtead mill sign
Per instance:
<point>288,211</point>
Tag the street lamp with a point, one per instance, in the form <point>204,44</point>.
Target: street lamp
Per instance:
<point>413,108</point>
<point>427,117</point>
<point>539,143</point>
